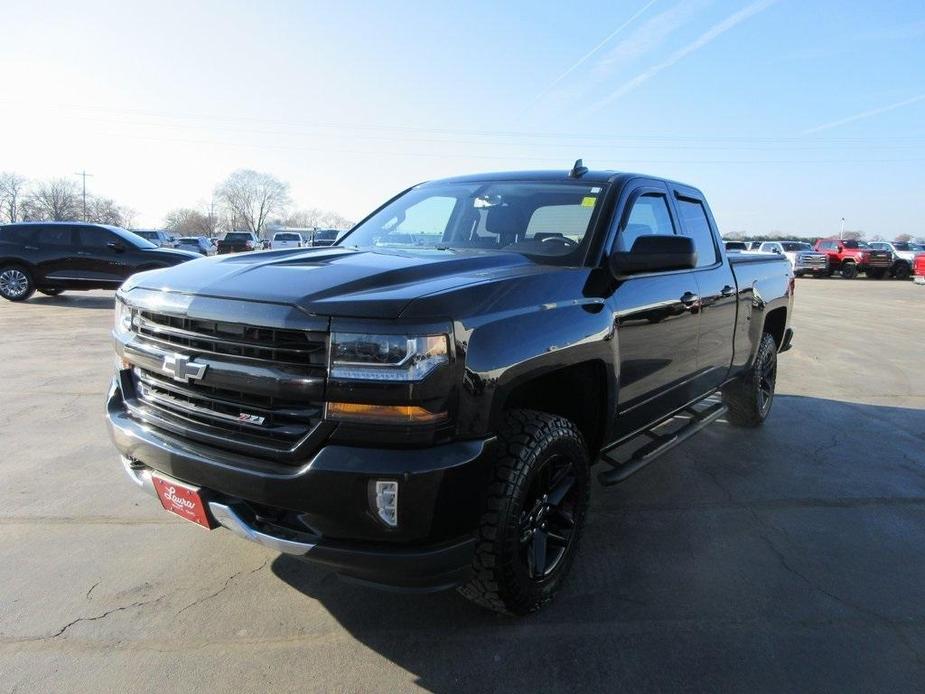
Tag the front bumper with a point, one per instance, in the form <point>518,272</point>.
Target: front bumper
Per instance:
<point>320,510</point>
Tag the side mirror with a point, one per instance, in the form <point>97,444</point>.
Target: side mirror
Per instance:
<point>654,254</point>
<point>840,249</point>
<point>116,246</point>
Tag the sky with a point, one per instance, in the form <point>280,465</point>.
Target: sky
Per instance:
<point>789,115</point>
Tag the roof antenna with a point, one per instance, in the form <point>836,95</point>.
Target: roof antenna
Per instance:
<point>578,170</point>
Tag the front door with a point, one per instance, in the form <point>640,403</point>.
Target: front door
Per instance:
<point>656,316</point>
<point>102,255</point>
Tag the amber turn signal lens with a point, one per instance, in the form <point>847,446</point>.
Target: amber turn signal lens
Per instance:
<point>396,414</point>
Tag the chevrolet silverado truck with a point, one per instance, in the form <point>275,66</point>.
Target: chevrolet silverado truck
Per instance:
<point>419,406</point>
<point>803,259</point>
<point>237,242</point>
<point>850,257</point>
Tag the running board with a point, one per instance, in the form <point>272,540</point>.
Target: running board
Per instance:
<point>660,443</point>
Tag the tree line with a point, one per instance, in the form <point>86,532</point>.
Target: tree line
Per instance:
<point>245,201</point>
<point>56,200</point>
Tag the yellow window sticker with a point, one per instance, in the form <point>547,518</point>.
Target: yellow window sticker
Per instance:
<point>588,201</point>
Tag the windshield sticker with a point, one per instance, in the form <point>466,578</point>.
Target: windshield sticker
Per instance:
<point>588,201</point>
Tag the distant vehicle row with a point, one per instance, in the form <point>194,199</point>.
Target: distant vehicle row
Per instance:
<point>848,257</point>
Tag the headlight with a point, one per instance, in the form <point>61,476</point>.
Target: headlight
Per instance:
<point>122,321</point>
<point>357,356</point>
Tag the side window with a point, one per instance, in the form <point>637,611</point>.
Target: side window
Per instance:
<point>95,238</point>
<point>649,216</point>
<point>57,236</point>
<point>694,223</point>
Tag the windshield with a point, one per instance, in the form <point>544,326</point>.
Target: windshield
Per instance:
<point>130,237</point>
<point>796,246</point>
<point>543,220</point>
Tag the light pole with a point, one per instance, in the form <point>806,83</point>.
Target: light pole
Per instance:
<point>83,174</point>
<point>842,235</point>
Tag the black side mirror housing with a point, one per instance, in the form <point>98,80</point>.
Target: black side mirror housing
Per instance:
<point>654,254</point>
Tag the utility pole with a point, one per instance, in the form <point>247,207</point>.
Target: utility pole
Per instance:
<point>83,174</point>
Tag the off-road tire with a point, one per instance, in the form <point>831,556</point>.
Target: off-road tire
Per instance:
<point>529,442</point>
<point>902,271</point>
<point>849,271</point>
<point>16,283</point>
<point>747,397</point>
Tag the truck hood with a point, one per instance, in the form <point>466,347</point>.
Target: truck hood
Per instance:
<point>335,281</point>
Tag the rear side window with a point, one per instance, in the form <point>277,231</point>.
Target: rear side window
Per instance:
<point>694,223</point>
<point>649,217</point>
<point>13,234</point>
<point>53,236</point>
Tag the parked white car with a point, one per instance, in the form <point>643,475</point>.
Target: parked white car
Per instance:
<point>286,239</point>
<point>803,258</point>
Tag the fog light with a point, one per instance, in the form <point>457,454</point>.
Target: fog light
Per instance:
<point>384,499</point>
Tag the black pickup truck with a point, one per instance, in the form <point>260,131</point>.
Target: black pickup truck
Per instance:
<point>420,405</point>
<point>237,242</point>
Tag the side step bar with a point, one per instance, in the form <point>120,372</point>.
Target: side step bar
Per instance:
<point>660,443</point>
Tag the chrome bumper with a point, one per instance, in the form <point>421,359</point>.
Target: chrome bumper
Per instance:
<point>225,515</point>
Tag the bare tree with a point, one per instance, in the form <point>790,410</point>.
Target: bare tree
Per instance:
<point>106,211</point>
<point>12,192</point>
<point>186,220</point>
<point>251,198</point>
<point>313,218</point>
<point>57,200</point>
<point>904,238</point>
<point>853,235</point>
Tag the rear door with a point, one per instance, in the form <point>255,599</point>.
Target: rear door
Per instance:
<point>717,290</point>
<point>655,316</point>
<point>53,251</point>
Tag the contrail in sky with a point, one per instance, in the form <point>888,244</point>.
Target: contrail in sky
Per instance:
<point>587,55</point>
<point>708,36</point>
<point>864,114</point>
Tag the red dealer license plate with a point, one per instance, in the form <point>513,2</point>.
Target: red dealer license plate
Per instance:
<point>182,499</point>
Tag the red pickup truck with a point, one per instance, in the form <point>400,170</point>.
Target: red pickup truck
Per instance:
<point>851,257</point>
<point>919,268</point>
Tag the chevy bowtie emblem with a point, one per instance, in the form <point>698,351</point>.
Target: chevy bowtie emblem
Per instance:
<point>182,368</point>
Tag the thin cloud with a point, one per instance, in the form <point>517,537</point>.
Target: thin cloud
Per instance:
<point>707,37</point>
<point>864,114</point>
<point>590,53</point>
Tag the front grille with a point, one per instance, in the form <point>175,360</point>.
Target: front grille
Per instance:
<point>234,339</point>
<point>880,259</point>
<point>261,393</point>
<point>815,261</point>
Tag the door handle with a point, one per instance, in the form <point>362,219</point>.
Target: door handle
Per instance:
<point>727,290</point>
<point>689,299</point>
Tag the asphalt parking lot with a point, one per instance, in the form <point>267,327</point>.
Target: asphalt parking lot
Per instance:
<point>787,558</point>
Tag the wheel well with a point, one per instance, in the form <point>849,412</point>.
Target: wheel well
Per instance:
<point>775,323</point>
<point>578,393</point>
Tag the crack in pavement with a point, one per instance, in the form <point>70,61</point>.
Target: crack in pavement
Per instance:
<point>199,601</point>
<point>91,589</point>
<point>98,617</point>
